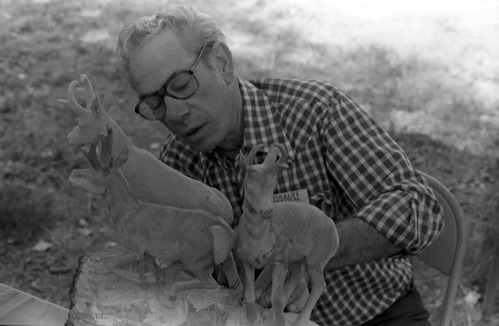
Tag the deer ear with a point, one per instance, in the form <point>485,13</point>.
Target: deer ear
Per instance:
<point>283,166</point>
<point>108,101</point>
<point>107,145</point>
<point>241,160</point>
<point>122,157</point>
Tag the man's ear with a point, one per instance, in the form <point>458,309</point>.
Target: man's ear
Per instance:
<point>223,61</point>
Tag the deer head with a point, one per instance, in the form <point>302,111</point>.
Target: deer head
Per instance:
<point>260,180</point>
<point>95,180</point>
<point>88,179</point>
<point>90,118</point>
<point>92,180</point>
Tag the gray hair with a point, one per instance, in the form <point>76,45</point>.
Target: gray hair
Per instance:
<point>193,27</point>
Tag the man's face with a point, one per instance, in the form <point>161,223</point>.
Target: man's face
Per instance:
<point>204,120</point>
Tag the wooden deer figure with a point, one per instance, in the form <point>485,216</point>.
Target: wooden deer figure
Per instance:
<point>193,240</point>
<point>151,180</point>
<point>287,234</point>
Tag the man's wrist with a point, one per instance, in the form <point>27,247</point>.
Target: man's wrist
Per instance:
<point>360,242</point>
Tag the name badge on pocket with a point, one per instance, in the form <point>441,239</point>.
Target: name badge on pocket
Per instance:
<point>297,195</point>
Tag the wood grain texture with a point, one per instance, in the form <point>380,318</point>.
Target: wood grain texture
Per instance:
<point>101,297</point>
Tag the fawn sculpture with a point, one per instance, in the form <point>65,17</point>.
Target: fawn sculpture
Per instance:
<point>287,234</point>
<point>151,180</point>
<point>193,240</point>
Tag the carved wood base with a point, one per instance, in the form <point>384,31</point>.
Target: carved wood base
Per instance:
<point>101,297</point>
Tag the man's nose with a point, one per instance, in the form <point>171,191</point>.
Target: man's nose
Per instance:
<point>176,110</point>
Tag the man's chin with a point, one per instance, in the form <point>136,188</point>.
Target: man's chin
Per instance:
<point>201,146</point>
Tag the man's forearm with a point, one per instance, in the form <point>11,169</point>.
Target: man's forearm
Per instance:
<point>360,242</point>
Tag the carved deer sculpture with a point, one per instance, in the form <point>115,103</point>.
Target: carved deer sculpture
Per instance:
<point>284,235</point>
<point>151,180</point>
<point>180,239</point>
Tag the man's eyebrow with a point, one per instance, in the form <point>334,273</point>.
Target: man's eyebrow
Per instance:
<point>176,72</point>
<point>153,93</point>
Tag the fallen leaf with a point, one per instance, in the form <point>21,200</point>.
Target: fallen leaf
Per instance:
<point>35,286</point>
<point>85,231</point>
<point>82,222</point>
<point>42,246</point>
<point>110,244</point>
<point>60,269</point>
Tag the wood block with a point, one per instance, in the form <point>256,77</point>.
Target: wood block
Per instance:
<point>101,297</point>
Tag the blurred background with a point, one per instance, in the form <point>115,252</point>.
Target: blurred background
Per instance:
<point>425,70</point>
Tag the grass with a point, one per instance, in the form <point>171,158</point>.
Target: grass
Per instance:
<point>427,73</point>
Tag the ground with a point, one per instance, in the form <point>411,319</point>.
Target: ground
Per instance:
<point>427,73</point>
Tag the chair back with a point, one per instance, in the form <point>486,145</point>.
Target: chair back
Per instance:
<point>446,253</point>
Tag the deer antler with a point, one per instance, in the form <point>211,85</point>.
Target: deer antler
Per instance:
<point>273,164</point>
<point>83,88</point>
<point>270,159</point>
<point>284,155</point>
<point>87,91</point>
<point>251,155</point>
<point>73,105</point>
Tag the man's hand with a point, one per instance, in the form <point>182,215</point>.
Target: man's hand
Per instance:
<point>263,290</point>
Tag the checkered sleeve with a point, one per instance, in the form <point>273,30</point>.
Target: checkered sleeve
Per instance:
<point>378,178</point>
<point>180,157</point>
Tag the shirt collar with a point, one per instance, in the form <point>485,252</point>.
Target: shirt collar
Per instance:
<point>260,120</point>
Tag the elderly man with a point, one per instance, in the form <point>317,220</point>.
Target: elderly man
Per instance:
<point>340,160</point>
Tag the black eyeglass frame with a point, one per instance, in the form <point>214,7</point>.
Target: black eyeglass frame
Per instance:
<point>163,91</point>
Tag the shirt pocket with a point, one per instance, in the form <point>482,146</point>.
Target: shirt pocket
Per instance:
<point>317,184</point>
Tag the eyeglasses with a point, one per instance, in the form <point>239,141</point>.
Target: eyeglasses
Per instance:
<point>180,85</point>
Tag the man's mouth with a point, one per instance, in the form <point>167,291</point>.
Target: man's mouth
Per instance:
<point>193,131</point>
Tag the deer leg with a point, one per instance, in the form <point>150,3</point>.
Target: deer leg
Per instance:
<point>235,286</point>
<point>202,280</point>
<point>296,275</point>
<point>199,264</point>
<point>249,292</point>
<point>147,273</point>
<point>230,270</point>
<point>318,285</point>
<point>168,273</point>
<point>277,296</point>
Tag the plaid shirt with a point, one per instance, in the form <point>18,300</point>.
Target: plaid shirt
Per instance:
<point>348,165</point>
